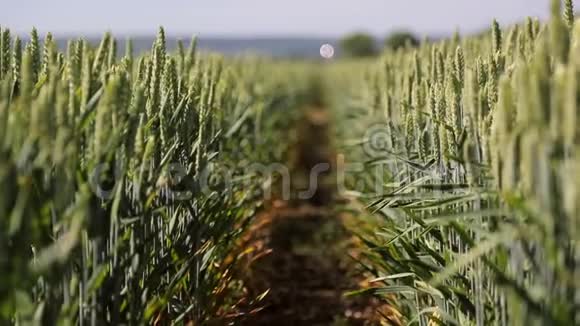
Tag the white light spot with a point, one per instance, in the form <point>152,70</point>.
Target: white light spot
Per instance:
<point>327,51</point>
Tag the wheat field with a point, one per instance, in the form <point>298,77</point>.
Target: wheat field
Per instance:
<point>115,209</point>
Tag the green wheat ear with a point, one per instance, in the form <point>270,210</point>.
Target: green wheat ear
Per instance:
<point>434,109</point>
<point>433,64</point>
<point>103,118</point>
<point>459,67</point>
<point>569,13</point>
<point>161,42</point>
<point>34,51</point>
<point>559,33</point>
<point>480,72</point>
<point>4,53</point>
<point>512,41</point>
<point>156,72</point>
<point>86,76</point>
<point>191,57</point>
<point>410,133</point>
<point>129,54</point>
<point>75,59</point>
<point>440,68</point>
<point>453,117</point>
<point>27,74</point>
<point>112,55</point>
<point>180,56</point>
<point>142,67</point>
<point>417,70</point>
<point>169,84</point>
<point>16,59</point>
<point>496,37</point>
<point>48,54</point>
<point>530,29</point>
<point>102,53</point>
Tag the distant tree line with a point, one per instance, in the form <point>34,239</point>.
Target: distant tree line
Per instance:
<point>364,45</point>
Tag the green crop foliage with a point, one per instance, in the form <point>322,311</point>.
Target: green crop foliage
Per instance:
<point>480,227</point>
<point>103,218</point>
<point>115,209</point>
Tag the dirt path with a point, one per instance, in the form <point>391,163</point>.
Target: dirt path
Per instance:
<point>302,248</point>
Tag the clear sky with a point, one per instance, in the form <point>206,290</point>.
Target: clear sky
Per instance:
<point>263,17</point>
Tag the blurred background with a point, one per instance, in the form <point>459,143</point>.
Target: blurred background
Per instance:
<point>279,28</point>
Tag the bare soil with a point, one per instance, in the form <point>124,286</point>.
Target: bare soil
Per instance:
<point>303,257</point>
